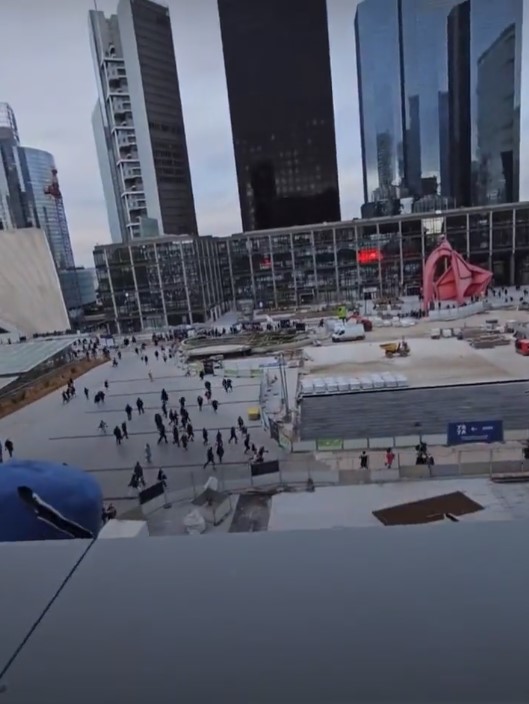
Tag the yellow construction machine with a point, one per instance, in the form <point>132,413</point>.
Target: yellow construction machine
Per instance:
<point>396,349</point>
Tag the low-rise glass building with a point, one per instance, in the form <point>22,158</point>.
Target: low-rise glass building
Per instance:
<point>172,280</point>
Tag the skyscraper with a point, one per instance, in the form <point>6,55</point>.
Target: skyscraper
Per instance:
<point>276,56</point>
<point>446,86</point>
<point>138,123</point>
<point>29,191</point>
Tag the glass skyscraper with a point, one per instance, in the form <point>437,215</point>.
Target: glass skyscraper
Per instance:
<point>278,74</point>
<point>39,167</point>
<point>439,94</point>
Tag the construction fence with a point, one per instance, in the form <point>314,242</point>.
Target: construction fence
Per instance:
<point>393,441</point>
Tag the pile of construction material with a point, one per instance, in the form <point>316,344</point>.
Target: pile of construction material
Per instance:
<point>319,386</point>
<point>484,338</point>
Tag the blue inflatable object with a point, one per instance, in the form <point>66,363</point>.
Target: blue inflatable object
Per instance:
<point>47,501</point>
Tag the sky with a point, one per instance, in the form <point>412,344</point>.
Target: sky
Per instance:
<point>47,76</point>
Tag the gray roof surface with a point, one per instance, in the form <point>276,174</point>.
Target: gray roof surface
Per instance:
<point>23,356</point>
<point>397,412</point>
<point>431,613</point>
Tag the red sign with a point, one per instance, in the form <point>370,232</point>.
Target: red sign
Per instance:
<point>369,256</point>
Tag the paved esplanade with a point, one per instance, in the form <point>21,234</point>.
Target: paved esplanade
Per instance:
<point>410,411</point>
<point>51,430</point>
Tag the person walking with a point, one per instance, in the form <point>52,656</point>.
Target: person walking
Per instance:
<point>118,435</point>
<point>164,396</point>
<point>128,411</point>
<point>164,409</point>
<point>138,471</point>
<point>220,452</point>
<point>390,457</point>
<point>205,436</point>
<point>364,460</point>
<point>148,453</point>
<point>190,432</point>
<point>9,447</point>
<point>103,427</point>
<point>106,384</point>
<point>124,430</point>
<point>246,443</point>
<point>162,434</point>
<point>210,458</point>
<point>176,437</point>
<point>149,374</point>
<point>133,484</point>
<point>184,440</point>
<point>162,477</point>
<point>233,435</point>
<point>86,393</point>
<point>218,438</point>
<point>200,401</point>
<point>139,406</point>
<point>215,405</point>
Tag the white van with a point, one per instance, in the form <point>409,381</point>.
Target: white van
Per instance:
<point>348,333</point>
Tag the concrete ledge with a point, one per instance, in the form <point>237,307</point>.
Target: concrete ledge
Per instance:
<point>304,446</point>
<point>385,475</point>
<point>444,470</point>
<point>381,443</point>
<point>407,440</point>
<point>356,444</point>
<point>434,438</point>
<point>515,434</point>
<point>416,471</point>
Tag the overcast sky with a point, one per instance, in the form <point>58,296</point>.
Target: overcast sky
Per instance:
<point>47,76</point>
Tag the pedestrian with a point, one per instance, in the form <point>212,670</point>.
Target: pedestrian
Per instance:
<point>162,434</point>
<point>229,385</point>
<point>119,354</point>
<point>207,394</point>
<point>190,432</point>
<point>224,385</point>
<point>156,354</point>
<point>118,435</point>
<point>207,385</point>
<point>200,401</point>
<point>184,441</point>
<point>138,471</point>
<point>103,427</point>
<point>215,405</point>
<point>164,396</point>
<point>182,402</point>
<point>150,373</point>
<point>148,453</point>
<point>233,435</point>
<point>128,411</point>
<point>210,458</point>
<point>176,437</point>
<point>390,457</point>
<point>220,452</point>
<point>164,358</point>
<point>124,430</point>
<point>102,396</point>
<point>162,477</point>
<point>205,436</point>
<point>9,447</point>
<point>201,375</point>
<point>364,460</point>
<point>218,438</point>
<point>146,360</point>
<point>66,397</point>
<point>139,406</point>
<point>106,384</point>
<point>133,484</point>
<point>86,393</point>
<point>158,420</point>
<point>164,409</point>
<point>246,444</point>
<point>240,422</point>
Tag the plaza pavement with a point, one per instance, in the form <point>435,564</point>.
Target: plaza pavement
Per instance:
<point>51,430</point>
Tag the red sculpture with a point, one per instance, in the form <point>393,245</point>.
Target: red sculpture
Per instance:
<point>455,281</point>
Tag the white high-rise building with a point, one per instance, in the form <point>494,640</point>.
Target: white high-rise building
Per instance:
<point>138,123</point>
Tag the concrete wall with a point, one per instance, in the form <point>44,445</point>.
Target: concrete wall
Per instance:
<point>31,300</point>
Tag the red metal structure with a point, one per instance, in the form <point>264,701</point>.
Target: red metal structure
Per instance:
<point>448,277</point>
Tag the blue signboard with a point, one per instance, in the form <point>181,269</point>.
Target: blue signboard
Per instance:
<point>476,431</point>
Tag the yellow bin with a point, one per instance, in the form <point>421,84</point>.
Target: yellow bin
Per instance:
<point>254,413</point>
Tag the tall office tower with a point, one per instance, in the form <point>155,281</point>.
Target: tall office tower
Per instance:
<point>138,123</point>
<point>446,89</point>
<point>276,56</point>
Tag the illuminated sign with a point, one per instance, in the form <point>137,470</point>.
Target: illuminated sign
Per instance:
<point>369,256</point>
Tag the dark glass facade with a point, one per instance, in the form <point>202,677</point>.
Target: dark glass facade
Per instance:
<point>154,41</point>
<point>277,62</point>
<point>440,106</point>
<point>172,280</point>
